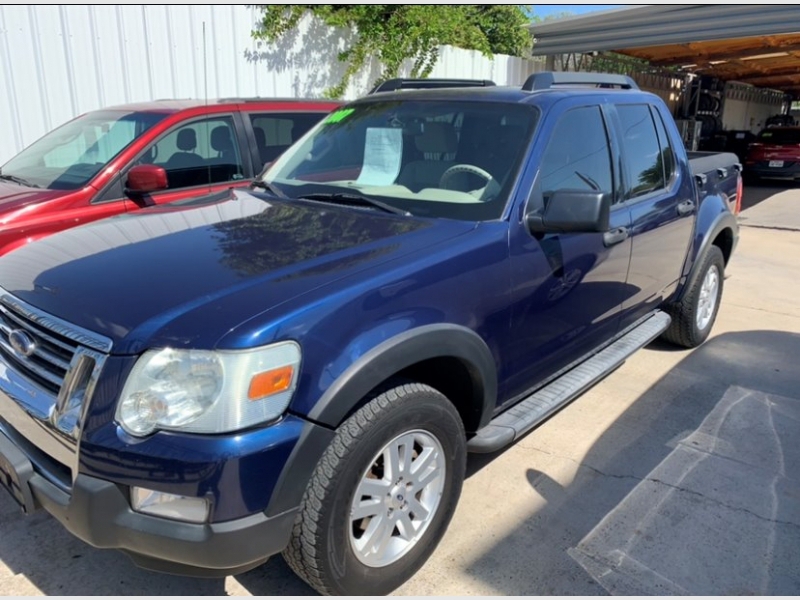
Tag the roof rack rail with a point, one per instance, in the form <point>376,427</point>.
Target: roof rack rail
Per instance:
<point>426,84</point>
<point>548,79</point>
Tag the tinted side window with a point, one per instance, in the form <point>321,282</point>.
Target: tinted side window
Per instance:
<point>578,156</point>
<point>198,153</point>
<point>667,155</point>
<point>642,152</point>
<point>275,132</point>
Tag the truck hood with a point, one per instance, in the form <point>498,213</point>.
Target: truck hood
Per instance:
<point>138,278</point>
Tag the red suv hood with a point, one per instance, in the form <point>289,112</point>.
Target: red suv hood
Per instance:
<point>14,196</point>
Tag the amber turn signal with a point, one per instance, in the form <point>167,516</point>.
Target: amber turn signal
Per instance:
<point>270,382</point>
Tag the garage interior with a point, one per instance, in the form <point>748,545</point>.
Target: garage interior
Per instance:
<point>725,71</point>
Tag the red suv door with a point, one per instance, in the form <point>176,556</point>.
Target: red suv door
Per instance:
<point>200,155</point>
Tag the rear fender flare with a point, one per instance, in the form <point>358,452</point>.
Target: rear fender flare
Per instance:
<point>720,222</point>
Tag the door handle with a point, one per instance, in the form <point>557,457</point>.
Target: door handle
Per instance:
<point>686,207</point>
<point>615,236</point>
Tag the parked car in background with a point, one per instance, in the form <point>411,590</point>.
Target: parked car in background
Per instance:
<point>775,153</point>
<point>101,163</point>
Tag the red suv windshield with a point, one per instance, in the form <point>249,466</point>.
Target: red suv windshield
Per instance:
<point>69,157</point>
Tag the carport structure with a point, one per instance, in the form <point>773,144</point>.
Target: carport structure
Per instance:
<point>755,44</point>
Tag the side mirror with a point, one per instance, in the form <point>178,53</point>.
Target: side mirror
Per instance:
<point>144,179</point>
<point>572,211</point>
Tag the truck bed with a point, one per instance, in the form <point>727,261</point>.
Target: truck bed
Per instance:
<point>717,171</point>
<point>704,162</point>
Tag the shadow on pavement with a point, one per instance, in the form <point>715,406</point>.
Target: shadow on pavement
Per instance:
<point>764,189</point>
<point>57,563</point>
<point>692,490</point>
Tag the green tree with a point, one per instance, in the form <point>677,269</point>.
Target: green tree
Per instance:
<point>395,33</point>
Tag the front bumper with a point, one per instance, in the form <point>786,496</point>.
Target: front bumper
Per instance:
<point>98,512</point>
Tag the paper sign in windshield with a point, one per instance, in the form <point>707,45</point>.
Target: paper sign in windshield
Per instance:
<point>383,153</point>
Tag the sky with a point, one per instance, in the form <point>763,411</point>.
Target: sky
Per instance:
<point>543,10</point>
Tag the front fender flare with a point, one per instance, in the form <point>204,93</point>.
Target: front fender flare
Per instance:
<point>404,350</point>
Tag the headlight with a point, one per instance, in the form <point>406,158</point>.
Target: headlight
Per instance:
<point>202,391</point>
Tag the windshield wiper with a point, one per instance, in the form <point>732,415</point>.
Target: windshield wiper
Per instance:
<point>18,180</point>
<point>355,200</point>
<point>258,183</point>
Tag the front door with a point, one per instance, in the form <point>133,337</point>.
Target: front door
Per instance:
<point>567,289</point>
<point>200,156</point>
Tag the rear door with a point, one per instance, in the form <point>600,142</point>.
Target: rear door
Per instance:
<point>273,132</point>
<point>660,195</point>
<point>567,289</point>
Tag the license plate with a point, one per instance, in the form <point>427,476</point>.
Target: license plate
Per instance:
<point>776,163</point>
<point>15,472</point>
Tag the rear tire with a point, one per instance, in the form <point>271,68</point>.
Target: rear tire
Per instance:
<point>694,314</point>
<point>382,495</point>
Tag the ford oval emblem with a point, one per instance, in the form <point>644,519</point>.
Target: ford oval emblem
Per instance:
<point>21,342</point>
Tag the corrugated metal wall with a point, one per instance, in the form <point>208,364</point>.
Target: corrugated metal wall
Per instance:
<point>57,62</point>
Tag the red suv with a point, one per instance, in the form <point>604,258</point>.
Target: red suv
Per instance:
<point>120,159</point>
<point>775,153</point>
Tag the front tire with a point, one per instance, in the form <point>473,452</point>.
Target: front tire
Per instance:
<point>694,315</point>
<point>382,495</point>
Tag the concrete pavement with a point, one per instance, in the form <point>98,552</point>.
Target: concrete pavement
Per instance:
<point>773,205</point>
<point>679,473</point>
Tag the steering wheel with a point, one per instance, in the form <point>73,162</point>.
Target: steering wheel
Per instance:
<point>464,168</point>
<point>488,191</point>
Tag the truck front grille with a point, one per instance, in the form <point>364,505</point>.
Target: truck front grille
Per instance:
<point>48,363</point>
<point>60,359</point>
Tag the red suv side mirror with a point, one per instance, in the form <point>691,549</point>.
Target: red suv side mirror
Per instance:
<point>143,179</point>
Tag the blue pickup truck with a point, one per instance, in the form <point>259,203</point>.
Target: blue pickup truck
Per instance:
<point>304,366</point>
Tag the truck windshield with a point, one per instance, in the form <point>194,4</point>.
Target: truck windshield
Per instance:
<point>438,158</point>
<point>69,157</point>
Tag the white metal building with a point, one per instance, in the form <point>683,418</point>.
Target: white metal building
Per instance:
<point>57,62</point>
